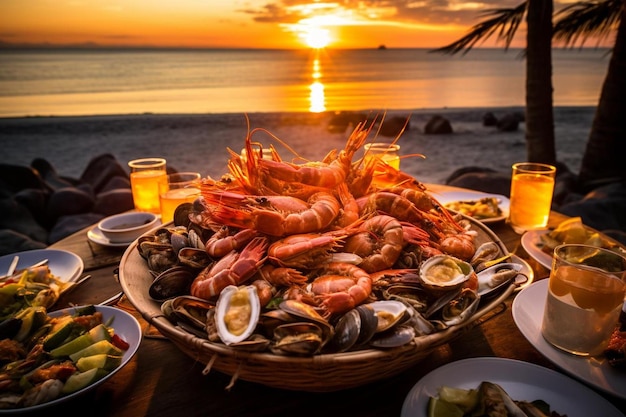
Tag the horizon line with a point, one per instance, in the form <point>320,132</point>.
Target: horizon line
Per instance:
<point>96,46</point>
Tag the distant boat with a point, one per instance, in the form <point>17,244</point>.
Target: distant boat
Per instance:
<point>382,47</point>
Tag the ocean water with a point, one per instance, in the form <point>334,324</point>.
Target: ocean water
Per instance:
<point>104,82</point>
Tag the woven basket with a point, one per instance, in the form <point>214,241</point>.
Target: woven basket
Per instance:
<point>319,373</point>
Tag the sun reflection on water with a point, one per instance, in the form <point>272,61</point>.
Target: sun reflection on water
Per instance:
<point>317,97</point>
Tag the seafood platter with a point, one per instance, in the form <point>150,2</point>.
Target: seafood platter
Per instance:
<point>315,276</point>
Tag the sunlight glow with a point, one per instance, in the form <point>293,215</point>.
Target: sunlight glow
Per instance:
<point>317,37</point>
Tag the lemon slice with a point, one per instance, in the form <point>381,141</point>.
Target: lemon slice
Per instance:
<point>571,231</point>
<point>465,399</point>
<point>440,408</point>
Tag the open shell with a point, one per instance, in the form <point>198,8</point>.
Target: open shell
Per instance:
<point>388,313</point>
<point>444,273</point>
<point>494,278</point>
<point>237,313</point>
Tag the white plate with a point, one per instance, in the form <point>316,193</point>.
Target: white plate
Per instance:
<point>531,242</point>
<point>446,197</point>
<point>124,325</point>
<point>96,236</point>
<point>527,312</point>
<point>65,265</point>
<point>521,380</point>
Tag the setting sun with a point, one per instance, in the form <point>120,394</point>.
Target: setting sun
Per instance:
<point>317,37</point>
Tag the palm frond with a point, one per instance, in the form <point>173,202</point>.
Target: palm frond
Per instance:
<point>503,22</point>
<point>585,19</point>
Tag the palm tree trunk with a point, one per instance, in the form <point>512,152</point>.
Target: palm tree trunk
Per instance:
<point>540,143</point>
<point>604,160</point>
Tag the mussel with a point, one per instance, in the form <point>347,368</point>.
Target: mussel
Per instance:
<point>304,338</point>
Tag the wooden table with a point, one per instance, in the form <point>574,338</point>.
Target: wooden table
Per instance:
<point>161,380</point>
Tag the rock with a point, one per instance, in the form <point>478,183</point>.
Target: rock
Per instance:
<point>340,121</point>
<point>38,206</point>
<point>67,225</point>
<point>68,201</point>
<point>438,125</point>
<point>16,217</point>
<point>393,126</point>
<point>489,119</point>
<point>486,180</point>
<point>50,175</point>
<point>508,123</point>
<point>101,170</point>
<point>114,201</point>
<point>115,183</point>
<point>603,208</point>
<point>34,200</point>
<point>12,241</point>
<point>14,178</point>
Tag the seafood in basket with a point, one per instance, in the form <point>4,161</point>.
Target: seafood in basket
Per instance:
<point>301,259</point>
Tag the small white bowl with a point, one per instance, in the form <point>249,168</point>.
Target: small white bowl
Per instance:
<point>126,227</point>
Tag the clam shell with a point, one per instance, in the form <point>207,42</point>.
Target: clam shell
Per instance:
<point>171,283</point>
<point>444,273</point>
<point>237,313</point>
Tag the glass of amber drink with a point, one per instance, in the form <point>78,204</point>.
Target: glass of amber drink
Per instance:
<point>145,176</point>
<point>180,187</point>
<point>585,297</point>
<point>387,152</point>
<point>532,186</point>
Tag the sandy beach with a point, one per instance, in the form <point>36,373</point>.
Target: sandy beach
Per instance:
<point>199,142</point>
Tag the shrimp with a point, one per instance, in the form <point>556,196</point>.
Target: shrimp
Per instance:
<point>402,209</point>
<point>349,208</point>
<point>222,242</point>
<point>282,276</point>
<point>319,174</point>
<point>425,202</point>
<point>341,287</point>
<point>273,215</point>
<point>460,245</point>
<point>304,250</point>
<point>379,243</point>
<point>233,269</point>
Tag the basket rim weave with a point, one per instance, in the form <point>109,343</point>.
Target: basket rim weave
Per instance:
<point>318,373</point>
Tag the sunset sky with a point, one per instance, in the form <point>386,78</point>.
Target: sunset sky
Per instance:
<point>243,23</point>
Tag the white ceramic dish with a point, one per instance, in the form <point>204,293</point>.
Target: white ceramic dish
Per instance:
<point>521,380</point>
<point>527,311</point>
<point>95,235</point>
<point>124,325</point>
<point>65,265</point>
<point>126,227</point>
<point>531,242</point>
<point>446,197</point>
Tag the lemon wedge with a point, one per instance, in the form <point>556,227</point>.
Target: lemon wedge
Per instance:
<point>441,408</point>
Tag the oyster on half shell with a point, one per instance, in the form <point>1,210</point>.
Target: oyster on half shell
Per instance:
<point>237,313</point>
<point>444,273</point>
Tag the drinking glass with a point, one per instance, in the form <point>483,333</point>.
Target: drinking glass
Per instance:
<point>532,185</point>
<point>388,152</point>
<point>180,187</point>
<point>145,176</point>
<point>585,297</point>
